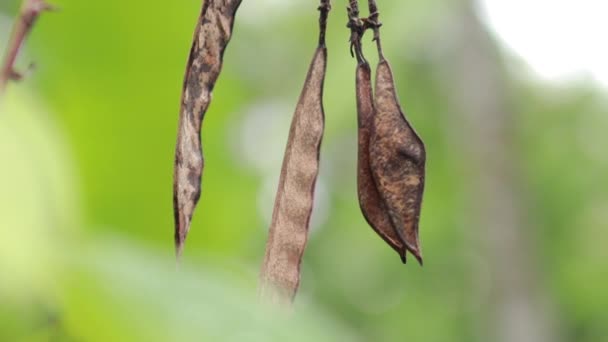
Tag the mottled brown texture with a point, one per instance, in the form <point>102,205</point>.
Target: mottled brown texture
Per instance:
<point>372,205</point>
<point>397,157</point>
<point>212,34</point>
<point>294,201</point>
<point>28,14</point>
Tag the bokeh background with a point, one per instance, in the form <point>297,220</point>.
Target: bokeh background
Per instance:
<point>507,95</point>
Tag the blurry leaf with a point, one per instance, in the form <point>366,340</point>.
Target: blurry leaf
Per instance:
<point>38,214</point>
<point>37,203</point>
<point>138,295</point>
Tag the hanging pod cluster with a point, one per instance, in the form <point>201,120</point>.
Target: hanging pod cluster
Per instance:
<point>391,156</point>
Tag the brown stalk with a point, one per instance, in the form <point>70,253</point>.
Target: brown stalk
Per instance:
<point>397,154</point>
<point>212,35</point>
<point>288,234</point>
<point>372,205</point>
<point>29,12</point>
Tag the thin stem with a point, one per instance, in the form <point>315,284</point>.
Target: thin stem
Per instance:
<point>373,23</point>
<point>354,7</point>
<point>372,7</point>
<point>30,11</point>
<point>357,28</point>
<point>324,8</point>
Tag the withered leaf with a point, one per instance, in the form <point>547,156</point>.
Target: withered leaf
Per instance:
<point>212,34</point>
<point>280,276</point>
<point>372,205</point>
<point>398,157</point>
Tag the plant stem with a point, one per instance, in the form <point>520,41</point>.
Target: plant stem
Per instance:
<point>373,23</point>
<point>324,8</point>
<point>357,28</point>
<point>29,12</point>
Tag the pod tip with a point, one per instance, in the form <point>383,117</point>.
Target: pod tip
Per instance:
<point>179,249</point>
<point>418,256</point>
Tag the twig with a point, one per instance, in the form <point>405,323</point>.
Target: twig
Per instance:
<point>357,28</point>
<point>324,8</point>
<point>288,234</point>
<point>29,12</point>
<point>372,22</point>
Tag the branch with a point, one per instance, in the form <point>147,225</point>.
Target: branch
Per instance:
<point>30,11</point>
<point>288,234</point>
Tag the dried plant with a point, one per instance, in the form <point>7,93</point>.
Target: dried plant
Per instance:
<point>212,35</point>
<point>397,153</point>
<point>372,205</point>
<point>391,156</point>
<point>280,275</point>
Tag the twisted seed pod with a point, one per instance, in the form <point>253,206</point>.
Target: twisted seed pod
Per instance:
<point>213,32</point>
<point>294,201</point>
<point>372,205</point>
<point>397,158</point>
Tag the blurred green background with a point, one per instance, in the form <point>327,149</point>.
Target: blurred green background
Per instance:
<point>514,218</point>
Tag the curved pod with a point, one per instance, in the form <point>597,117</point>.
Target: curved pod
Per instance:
<point>295,194</point>
<point>397,158</point>
<point>371,203</point>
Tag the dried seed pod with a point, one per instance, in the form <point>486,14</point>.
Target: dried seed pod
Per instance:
<point>288,235</point>
<point>397,157</point>
<point>213,32</point>
<point>372,205</point>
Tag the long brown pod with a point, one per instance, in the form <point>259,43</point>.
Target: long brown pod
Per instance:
<point>212,34</point>
<point>288,235</point>
<point>372,205</point>
<point>397,154</point>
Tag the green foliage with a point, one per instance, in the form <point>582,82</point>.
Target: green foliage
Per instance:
<point>86,157</point>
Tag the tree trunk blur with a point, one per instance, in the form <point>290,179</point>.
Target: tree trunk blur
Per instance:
<point>483,124</point>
